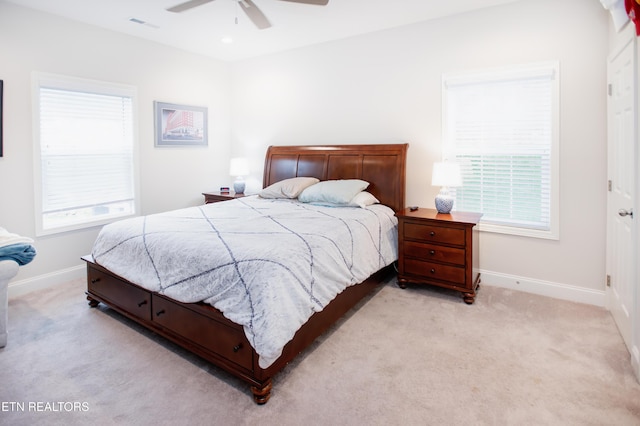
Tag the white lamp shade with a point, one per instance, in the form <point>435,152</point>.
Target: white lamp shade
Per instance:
<point>239,166</point>
<point>446,174</point>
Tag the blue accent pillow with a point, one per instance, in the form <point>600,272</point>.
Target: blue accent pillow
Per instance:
<point>363,199</point>
<point>339,191</point>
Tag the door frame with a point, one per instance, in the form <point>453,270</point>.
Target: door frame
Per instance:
<point>635,325</point>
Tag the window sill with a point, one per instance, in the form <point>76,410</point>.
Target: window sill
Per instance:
<point>552,234</point>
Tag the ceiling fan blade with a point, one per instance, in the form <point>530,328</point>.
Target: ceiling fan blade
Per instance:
<point>316,2</point>
<point>255,15</point>
<point>187,5</point>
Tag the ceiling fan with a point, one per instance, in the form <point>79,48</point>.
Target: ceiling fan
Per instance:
<point>250,9</point>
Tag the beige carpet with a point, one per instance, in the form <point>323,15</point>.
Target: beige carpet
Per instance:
<point>414,357</point>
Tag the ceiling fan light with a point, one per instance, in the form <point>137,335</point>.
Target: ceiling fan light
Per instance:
<point>248,7</point>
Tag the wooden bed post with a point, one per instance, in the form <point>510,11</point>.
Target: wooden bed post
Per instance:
<point>262,394</point>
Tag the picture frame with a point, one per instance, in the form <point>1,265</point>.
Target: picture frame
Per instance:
<point>180,125</point>
<point>1,115</point>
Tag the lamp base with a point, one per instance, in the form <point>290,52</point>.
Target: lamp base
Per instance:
<point>444,201</point>
<point>238,186</point>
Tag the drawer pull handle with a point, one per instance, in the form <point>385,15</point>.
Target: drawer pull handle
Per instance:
<point>95,280</point>
<point>144,302</point>
<point>432,233</point>
<point>432,252</point>
<point>160,312</point>
<point>237,347</point>
<point>433,270</point>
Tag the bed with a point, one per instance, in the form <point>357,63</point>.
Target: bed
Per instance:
<point>206,331</point>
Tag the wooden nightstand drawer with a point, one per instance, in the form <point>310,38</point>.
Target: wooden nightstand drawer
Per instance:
<point>436,234</point>
<point>434,252</point>
<point>435,271</point>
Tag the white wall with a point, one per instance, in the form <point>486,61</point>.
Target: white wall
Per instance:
<point>378,88</point>
<point>169,177</point>
<point>385,87</point>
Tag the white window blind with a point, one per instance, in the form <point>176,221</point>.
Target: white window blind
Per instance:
<point>86,152</point>
<point>501,128</point>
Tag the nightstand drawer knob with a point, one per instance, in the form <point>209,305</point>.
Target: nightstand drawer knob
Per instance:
<point>432,252</point>
<point>432,233</point>
<point>433,270</point>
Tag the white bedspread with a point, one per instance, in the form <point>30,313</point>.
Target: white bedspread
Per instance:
<point>265,264</point>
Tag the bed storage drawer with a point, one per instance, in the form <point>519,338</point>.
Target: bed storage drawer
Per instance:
<point>202,330</point>
<point>131,298</point>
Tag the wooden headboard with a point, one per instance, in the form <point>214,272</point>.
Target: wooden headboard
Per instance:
<point>383,166</point>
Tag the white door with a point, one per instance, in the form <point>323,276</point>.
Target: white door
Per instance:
<point>621,170</point>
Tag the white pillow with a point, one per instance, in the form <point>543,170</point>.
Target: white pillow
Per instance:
<point>333,191</point>
<point>288,188</point>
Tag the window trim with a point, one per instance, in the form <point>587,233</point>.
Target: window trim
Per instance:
<point>550,68</point>
<point>39,79</point>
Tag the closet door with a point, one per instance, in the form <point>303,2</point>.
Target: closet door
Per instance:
<point>622,219</point>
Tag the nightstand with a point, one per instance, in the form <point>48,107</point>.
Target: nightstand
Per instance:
<point>214,197</point>
<point>439,249</point>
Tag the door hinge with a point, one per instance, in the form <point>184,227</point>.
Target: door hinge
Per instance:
<point>609,185</point>
<point>608,280</point>
<point>610,89</point>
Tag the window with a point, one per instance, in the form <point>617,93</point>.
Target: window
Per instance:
<point>502,127</point>
<point>84,152</point>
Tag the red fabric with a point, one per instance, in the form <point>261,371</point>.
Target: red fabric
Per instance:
<point>633,9</point>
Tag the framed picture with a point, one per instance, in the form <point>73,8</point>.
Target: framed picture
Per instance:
<point>1,130</point>
<point>180,125</point>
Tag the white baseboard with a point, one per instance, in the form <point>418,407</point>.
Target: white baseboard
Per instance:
<point>496,279</point>
<point>544,288</point>
<point>635,361</point>
<point>20,287</point>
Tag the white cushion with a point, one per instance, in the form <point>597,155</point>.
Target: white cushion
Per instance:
<point>363,199</point>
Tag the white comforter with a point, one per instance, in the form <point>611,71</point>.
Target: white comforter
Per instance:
<point>265,264</point>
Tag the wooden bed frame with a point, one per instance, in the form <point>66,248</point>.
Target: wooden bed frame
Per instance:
<point>202,329</point>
